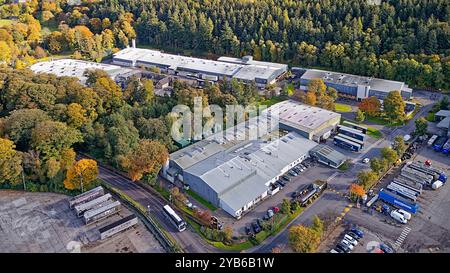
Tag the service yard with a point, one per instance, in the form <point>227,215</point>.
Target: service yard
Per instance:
<point>428,230</point>
<point>43,223</point>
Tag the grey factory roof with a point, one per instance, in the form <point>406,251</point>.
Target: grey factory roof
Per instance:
<point>443,113</point>
<point>248,60</point>
<point>305,117</point>
<point>76,68</point>
<point>329,153</point>
<point>250,71</point>
<point>445,123</point>
<point>354,80</point>
<point>240,174</point>
<point>221,141</point>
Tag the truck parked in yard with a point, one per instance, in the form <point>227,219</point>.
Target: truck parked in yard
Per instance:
<point>398,201</point>
<point>439,143</point>
<point>428,169</point>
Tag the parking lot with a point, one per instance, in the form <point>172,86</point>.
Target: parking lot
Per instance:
<point>43,222</point>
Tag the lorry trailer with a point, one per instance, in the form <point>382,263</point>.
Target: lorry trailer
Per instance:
<point>401,192</point>
<point>426,177</point>
<point>408,184</point>
<point>82,208</point>
<point>437,173</point>
<point>398,201</point>
<point>86,196</point>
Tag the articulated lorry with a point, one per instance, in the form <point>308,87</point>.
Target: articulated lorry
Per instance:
<point>398,201</point>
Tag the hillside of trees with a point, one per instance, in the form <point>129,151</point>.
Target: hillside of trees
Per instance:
<point>407,40</point>
<point>44,120</point>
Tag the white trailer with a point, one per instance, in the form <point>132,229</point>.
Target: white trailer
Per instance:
<point>92,216</point>
<point>96,203</point>
<point>118,226</point>
<point>86,196</point>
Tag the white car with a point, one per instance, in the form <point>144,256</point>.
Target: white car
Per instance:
<point>350,239</point>
<point>366,160</point>
<point>347,243</point>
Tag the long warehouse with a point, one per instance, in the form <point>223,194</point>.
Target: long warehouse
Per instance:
<point>245,69</point>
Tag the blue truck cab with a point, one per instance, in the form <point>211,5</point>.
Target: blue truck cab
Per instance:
<point>439,143</point>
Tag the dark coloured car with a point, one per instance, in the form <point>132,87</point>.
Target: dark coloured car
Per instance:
<point>295,194</point>
<point>357,231</point>
<point>281,183</point>
<point>256,227</point>
<point>248,231</point>
<point>259,222</point>
<point>343,247</point>
<point>353,235</point>
<point>286,178</point>
<point>386,248</point>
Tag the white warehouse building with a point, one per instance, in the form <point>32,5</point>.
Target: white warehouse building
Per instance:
<point>238,178</point>
<point>225,68</point>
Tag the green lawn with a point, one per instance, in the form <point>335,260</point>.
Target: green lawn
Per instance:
<point>381,121</point>
<point>201,200</point>
<point>339,107</point>
<point>272,101</point>
<point>374,132</point>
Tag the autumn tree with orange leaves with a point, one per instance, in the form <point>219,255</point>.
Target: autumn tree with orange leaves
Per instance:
<point>371,106</point>
<point>148,158</point>
<point>357,191</point>
<point>81,174</point>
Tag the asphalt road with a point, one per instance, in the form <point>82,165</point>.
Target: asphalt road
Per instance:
<point>190,241</point>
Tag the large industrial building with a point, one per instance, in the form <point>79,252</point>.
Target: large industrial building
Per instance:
<point>77,68</point>
<point>235,173</point>
<point>311,122</point>
<point>237,178</point>
<point>355,87</point>
<point>443,119</point>
<point>245,69</point>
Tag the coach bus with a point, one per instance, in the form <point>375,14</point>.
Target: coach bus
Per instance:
<point>174,218</point>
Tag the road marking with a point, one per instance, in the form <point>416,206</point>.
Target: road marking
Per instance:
<point>402,237</point>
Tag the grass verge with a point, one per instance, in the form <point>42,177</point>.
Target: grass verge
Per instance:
<point>201,200</point>
<point>339,107</point>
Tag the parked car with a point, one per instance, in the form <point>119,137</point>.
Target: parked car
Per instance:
<point>343,247</point>
<point>357,231</point>
<point>248,231</point>
<point>350,239</point>
<point>260,222</point>
<point>292,173</point>
<point>353,235</point>
<point>256,227</point>
<point>366,160</point>
<point>386,248</point>
<point>281,183</point>
<point>303,165</point>
<point>286,178</point>
<point>333,251</point>
<point>270,213</point>
<point>338,250</point>
<point>295,194</point>
<point>347,243</point>
<point>275,209</point>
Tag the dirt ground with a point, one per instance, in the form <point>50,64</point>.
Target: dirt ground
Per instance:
<point>43,222</point>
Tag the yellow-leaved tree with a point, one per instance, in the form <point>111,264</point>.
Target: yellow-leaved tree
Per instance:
<point>81,174</point>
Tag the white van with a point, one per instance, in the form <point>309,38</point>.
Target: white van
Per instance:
<point>398,216</point>
<point>350,239</point>
<point>436,185</point>
<point>405,214</point>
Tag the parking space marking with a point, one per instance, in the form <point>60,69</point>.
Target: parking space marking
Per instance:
<point>402,237</point>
